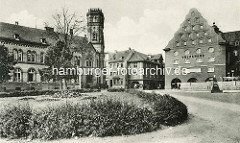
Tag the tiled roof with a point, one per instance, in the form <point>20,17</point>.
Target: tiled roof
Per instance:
<point>34,35</point>
<point>135,56</point>
<point>231,37</point>
<point>156,56</point>
<point>26,34</point>
<point>193,29</point>
<point>119,56</point>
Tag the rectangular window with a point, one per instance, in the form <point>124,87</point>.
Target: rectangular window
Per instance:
<point>175,61</point>
<point>211,69</point>
<point>199,60</point>
<point>135,65</point>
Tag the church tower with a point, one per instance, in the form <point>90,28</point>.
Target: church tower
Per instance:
<point>95,35</point>
<point>95,26</point>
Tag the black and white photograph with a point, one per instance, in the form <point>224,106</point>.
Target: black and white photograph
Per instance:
<point>120,71</point>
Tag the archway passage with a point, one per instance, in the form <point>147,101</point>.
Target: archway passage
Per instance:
<point>176,83</point>
<point>209,79</point>
<point>135,84</point>
<point>192,80</point>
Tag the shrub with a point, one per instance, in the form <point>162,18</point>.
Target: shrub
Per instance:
<point>66,94</point>
<point>14,121</point>
<point>167,109</point>
<point>105,117</point>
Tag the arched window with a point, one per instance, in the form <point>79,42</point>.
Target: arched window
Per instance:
<point>20,55</point>
<point>31,75</point>
<point>77,61</point>
<point>15,54</point>
<point>176,53</point>
<point>42,57</point>
<point>198,51</point>
<point>94,36</point>
<point>211,50</point>
<point>97,63</point>
<point>29,56</point>
<point>187,52</point>
<point>34,56</point>
<point>18,75</point>
<point>176,83</point>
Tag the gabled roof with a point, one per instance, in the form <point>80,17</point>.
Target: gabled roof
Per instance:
<point>119,56</point>
<point>156,56</point>
<point>194,24</point>
<point>131,56</point>
<point>137,56</point>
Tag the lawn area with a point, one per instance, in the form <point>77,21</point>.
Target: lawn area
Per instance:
<point>39,102</point>
<point>71,114</point>
<point>222,97</point>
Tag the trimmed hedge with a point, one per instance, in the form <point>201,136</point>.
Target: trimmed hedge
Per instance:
<point>105,117</point>
<point>167,109</point>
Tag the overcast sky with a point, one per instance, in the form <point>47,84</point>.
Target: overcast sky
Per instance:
<point>144,25</point>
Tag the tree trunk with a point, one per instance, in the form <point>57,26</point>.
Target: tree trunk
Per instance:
<point>64,85</point>
<point>80,81</point>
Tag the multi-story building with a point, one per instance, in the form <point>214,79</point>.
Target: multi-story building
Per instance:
<point>200,50</point>
<point>132,78</point>
<point>29,46</point>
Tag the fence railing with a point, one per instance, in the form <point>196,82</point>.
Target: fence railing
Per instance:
<point>223,85</point>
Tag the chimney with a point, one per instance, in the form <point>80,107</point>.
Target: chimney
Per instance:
<point>49,29</point>
<point>216,29</point>
<point>16,22</point>
<point>129,49</point>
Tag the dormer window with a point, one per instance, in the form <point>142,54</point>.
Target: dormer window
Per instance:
<point>193,42</point>
<point>209,40</point>
<point>177,44</point>
<point>185,43</point>
<point>200,41</point>
<point>43,40</point>
<point>201,26</point>
<point>193,28</point>
<point>16,36</point>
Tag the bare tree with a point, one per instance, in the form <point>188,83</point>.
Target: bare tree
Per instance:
<point>68,25</point>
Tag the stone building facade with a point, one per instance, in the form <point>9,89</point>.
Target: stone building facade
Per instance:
<point>29,46</point>
<point>199,51</point>
<point>131,59</point>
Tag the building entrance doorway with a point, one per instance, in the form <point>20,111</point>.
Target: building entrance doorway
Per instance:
<point>176,83</point>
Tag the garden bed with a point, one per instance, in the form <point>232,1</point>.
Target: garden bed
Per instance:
<point>99,116</point>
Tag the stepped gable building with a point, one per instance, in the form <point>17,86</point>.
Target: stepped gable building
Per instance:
<point>29,45</point>
<point>134,59</point>
<point>203,50</point>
